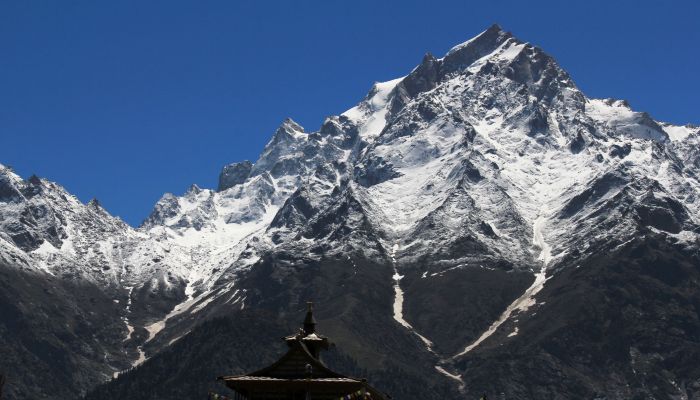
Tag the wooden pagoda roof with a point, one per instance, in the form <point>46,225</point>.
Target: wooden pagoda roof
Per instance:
<point>299,370</point>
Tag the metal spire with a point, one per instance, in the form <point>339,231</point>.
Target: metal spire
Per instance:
<point>309,321</point>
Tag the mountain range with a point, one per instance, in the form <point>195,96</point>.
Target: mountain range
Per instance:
<point>478,225</point>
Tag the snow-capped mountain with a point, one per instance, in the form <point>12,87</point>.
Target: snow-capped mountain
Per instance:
<point>455,197</point>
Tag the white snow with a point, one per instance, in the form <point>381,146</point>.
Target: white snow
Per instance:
<point>191,304</point>
<point>129,327</point>
<point>45,249</point>
<point>141,359</point>
<point>504,54</point>
<point>407,199</point>
<point>398,301</point>
<point>370,115</point>
<point>678,133</point>
<point>617,115</point>
<point>539,242</point>
<point>455,377</point>
<point>527,299</point>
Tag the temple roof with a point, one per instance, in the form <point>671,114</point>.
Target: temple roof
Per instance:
<point>300,368</point>
<point>294,365</point>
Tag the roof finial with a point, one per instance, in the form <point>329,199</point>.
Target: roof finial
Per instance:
<point>309,321</point>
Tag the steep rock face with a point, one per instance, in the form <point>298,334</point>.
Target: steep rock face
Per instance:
<point>234,174</point>
<point>611,327</point>
<point>59,337</point>
<point>460,222</point>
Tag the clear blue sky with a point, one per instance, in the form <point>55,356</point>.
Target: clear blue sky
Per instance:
<point>126,100</point>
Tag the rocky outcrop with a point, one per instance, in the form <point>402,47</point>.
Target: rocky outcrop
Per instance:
<point>234,174</point>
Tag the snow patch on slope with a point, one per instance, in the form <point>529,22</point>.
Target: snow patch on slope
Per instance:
<point>617,115</point>
<point>527,299</point>
<point>398,301</point>
<point>370,115</point>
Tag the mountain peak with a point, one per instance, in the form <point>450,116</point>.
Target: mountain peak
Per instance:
<point>287,131</point>
<point>289,125</point>
<point>495,27</point>
<point>489,39</point>
<point>10,172</point>
<point>194,188</point>
<point>492,43</point>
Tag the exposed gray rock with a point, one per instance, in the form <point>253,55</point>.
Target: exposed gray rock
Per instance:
<point>234,174</point>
